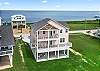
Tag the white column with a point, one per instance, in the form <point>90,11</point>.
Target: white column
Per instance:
<point>37,45</point>
<point>67,52</point>
<point>58,43</point>
<point>55,53</point>
<point>35,54</point>
<point>10,58</point>
<point>25,24</point>
<point>48,44</point>
<point>17,25</point>
<point>64,52</point>
<point>12,24</point>
<point>12,49</point>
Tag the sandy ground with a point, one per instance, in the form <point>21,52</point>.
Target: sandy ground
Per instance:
<point>17,33</point>
<point>21,53</point>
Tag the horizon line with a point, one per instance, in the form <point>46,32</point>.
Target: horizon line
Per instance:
<point>47,10</point>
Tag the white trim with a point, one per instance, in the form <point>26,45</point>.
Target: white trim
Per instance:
<point>37,45</point>
<point>10,58</point>
<point>58,24</point>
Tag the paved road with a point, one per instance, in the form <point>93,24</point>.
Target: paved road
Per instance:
<point>85,32</point>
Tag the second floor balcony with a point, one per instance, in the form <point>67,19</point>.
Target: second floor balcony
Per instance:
<point>48,34</point>
<point>55,47</point>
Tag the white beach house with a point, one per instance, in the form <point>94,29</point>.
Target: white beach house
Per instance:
<point>18,21</point>
<point>6,44</point>
<point>49,40</point>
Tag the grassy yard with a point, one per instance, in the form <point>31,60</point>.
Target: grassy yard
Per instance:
<point>88,46</point>
<point>83,25</point>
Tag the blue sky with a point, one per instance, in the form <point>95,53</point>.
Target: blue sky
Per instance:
<point>71,5</point>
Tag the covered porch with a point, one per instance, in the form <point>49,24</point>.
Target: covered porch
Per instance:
<point>53,55</point>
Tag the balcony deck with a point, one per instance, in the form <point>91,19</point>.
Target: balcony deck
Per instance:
<point>55,47</point>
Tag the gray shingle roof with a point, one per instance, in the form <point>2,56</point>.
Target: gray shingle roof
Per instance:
<point>37,25</point>
<point>6,34</point>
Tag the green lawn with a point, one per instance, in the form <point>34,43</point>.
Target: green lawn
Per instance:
<point>83,26</point>
<point>88,46</point>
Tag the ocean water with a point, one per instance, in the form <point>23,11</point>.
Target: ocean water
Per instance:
<point>33,16</point>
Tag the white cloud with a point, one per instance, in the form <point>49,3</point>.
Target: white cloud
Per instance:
<point>58,6</point>
<point>44,1</point>
<point>0,4</point>
<point>90,0</point>
<point>6,3</point>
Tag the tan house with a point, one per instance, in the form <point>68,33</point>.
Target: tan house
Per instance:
<point>49,40</point>
<point>18,21</point>
<point>19,25</point>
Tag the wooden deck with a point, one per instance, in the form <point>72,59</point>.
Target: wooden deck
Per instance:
<point>24,31</point>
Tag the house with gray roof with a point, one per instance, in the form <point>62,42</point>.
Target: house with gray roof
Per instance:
<point>6,45</point>
<point>49,40</point>
<point>0,21</point>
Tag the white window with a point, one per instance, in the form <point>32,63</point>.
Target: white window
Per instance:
<point>66,30</point>
<point>62,40</point>
<point>53,32</point>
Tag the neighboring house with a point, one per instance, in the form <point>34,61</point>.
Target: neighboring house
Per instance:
<point>0,21</point>
<point>19,25</point>
<point>98,32</point>
<point>49,40</point>
<point>6,45</point>
<point>18,21</point>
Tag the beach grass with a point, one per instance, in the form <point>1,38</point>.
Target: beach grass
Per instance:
<point>88,46</point>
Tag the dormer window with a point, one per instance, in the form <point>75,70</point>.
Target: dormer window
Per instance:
<point>61,31</point>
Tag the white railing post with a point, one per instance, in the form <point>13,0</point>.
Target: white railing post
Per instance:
<point>48,44</point>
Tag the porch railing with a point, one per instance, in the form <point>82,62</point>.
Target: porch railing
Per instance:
<point>5,52</point>
<point>54,36</point>
<point>69,44</point>
<point>46,37</point>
